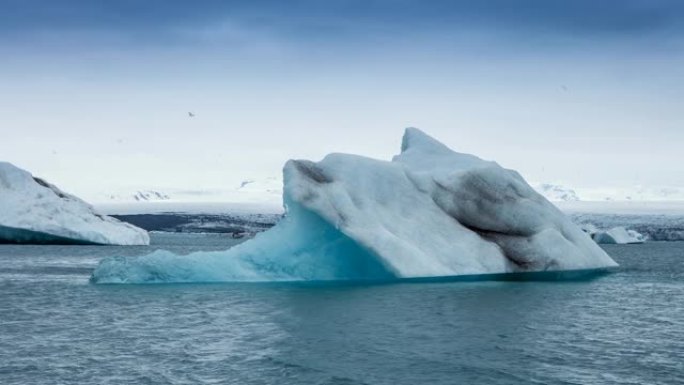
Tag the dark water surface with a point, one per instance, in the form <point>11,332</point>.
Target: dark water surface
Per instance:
<point>57,328</point>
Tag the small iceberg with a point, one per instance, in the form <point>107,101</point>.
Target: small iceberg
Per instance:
<point>618,235</point>
<point>430,212</point>
<point>34,211</point>
<point>615,235</point>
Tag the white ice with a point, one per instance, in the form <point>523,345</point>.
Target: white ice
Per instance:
<point>34,211</point>
<point>618,235</point>
<point>430,212</point>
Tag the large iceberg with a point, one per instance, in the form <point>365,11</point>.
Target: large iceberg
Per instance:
<point>34,211</point>
<point>430,212</point>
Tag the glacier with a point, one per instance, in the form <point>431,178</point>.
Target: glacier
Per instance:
<point>429,212</point>
<point>35,211</point>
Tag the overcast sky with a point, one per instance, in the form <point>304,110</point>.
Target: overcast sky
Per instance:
<point>95,95</point>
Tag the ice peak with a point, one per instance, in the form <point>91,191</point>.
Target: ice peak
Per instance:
<point>421,152</point>
<point>11,176</point>
<point>414,138</point>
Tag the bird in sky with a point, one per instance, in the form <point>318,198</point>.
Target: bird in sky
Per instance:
<point>190,114</point>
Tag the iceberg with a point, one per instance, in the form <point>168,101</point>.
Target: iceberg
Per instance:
<point>34,211</point>
<point>652,227</point>
<point>615,235</point>
<point>429,212</point>
<point>618,235</point>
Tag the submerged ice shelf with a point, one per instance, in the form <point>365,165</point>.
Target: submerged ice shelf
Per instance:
<point>430,212</point>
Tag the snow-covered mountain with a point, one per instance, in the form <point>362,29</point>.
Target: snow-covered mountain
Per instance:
<point>264,195</point>
<point>556,193</point>
<point>150,196</point>
<point>269,185</point>
<point>561,193</point>
<point>136,196</point>
<point>267,189</point>
<point>635,193</point>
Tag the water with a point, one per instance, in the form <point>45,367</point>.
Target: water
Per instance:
<point>56,328</point>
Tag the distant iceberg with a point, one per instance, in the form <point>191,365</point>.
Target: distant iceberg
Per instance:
<point>615,235</point>
<point>430,212</point>
<point>618,235</point>
<point>34,211</point>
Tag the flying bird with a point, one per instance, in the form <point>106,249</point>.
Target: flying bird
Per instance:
<point>190,114</point>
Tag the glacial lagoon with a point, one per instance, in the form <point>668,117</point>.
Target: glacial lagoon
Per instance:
<point>57,327</point>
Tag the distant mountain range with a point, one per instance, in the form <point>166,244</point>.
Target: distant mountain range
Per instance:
<point>556,193</point>
<point>132,196</point>
<point>269,190</point>
<point>560,193</point>
<point>149,195</point>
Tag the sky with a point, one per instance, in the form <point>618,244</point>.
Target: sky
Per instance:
<point>95,95</point>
